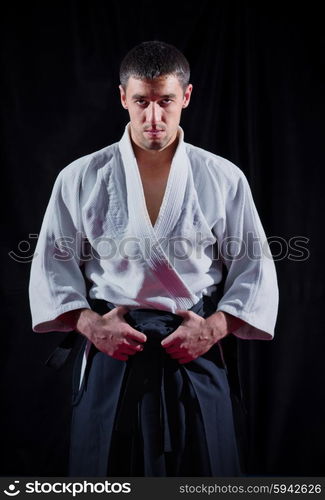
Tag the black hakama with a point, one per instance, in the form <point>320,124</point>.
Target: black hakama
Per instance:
<point>151,416</point>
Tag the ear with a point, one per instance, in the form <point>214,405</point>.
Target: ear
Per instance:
<point>187,95</point>
<point>123,97</point>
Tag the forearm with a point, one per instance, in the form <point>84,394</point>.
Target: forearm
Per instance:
<point>223,323</point>
<point>81,320</point>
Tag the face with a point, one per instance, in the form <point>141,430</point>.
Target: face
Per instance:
<point>155,108</point>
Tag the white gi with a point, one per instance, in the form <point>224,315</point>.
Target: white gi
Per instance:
<point>97,217</point>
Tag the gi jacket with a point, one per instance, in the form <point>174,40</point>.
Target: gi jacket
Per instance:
<point>97,219</point>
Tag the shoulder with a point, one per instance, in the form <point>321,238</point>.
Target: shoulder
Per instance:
<point>209,165</point>
<point>90,165</point>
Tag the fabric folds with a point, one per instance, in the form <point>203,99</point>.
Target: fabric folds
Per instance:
<point>151,416</point>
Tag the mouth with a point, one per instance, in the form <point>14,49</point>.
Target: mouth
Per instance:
<point>153,133</point>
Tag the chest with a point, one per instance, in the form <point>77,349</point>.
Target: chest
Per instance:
<point>154,186</point>
<point>167,207</point>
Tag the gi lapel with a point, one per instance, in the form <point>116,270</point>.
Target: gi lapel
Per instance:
<point>170,210</point>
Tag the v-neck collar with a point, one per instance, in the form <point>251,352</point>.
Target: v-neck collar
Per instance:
<point>171,205</point>
<point>150,237</point>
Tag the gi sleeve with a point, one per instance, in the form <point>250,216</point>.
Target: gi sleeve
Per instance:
<point>251,291</point>
<point>56,283</point>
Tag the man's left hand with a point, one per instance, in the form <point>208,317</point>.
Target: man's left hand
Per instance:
<point>194,337</point>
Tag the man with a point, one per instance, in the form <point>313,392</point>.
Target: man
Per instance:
<point>148,223</point>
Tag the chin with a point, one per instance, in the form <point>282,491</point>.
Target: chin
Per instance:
<point>155,146</point>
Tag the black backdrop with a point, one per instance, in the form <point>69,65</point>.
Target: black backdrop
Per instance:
<point>257,101</point>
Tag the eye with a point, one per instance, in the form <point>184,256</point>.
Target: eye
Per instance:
<point>141,102</point>
<point>165,102</point>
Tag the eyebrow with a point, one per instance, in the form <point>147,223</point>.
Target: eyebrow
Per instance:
<point>166,96</point>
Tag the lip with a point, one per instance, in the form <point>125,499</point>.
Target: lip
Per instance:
<point>154,132</point>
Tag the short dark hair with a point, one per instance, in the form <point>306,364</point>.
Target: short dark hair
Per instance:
<point>149,60</point>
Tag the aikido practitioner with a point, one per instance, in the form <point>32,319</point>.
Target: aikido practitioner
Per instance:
<point>130,255</point>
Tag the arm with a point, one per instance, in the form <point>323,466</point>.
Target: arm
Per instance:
<point>56,283</point>
<point>250,291</point>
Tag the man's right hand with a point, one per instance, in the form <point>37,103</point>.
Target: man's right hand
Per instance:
<point>110,333</point>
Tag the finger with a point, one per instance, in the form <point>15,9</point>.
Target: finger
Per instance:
<point>132,341</point>
<point>127,349</point>
<point>182,361</point>
<point>183,313</point>
<point>133,353</point>
<point>174,348</point>
<point>177,355</point>
<point>172,339</point>
<point>127,354</point>
<point>134,334</point>
<point>120,357</point>
<point>137,348</point>
<point>121,310</point>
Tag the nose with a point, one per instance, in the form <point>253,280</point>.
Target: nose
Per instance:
<point>153,113</point>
